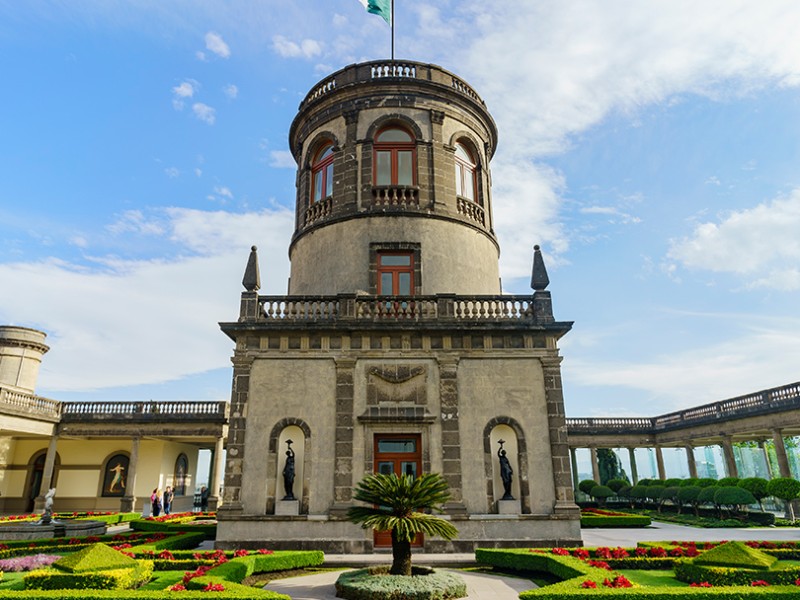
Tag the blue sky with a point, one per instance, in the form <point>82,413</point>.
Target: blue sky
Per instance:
<point>651,148</point>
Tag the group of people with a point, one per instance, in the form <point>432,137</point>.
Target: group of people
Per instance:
<point>159,501</point>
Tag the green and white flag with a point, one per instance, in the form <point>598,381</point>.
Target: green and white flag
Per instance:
<point>382,8</point>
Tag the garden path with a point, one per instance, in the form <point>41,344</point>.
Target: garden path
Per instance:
<point>660,531</point>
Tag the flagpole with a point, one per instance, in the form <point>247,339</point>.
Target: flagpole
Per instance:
<point>392,1</point>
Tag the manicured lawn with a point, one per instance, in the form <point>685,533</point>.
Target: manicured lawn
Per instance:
<point>652,577</point>
<point>12,581</point>
<point>163,579</point>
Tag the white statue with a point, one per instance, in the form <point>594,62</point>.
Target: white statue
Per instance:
<point>48,505</point>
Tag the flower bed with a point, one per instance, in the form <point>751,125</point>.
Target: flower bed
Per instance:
<point>595,517</point>
<point>375,583</point>
<point>200,522</point>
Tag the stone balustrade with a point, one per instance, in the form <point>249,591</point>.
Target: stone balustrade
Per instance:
<point>370,72</point>
<point>384,309</point>
<point>143,411</point>
<point>773,400</point>
<point>30,405</point>
<point>319,210</point>
<point>395,196</point>
<point>471,210</point>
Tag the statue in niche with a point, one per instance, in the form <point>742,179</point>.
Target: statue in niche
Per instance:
<point>506,472</point>
<point>288,472</point>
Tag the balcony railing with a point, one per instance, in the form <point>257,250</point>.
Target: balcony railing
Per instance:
<point>773,400</point>
<point>470,210</point>
<point>29,405</point>
<point>387,70</point>
<point>318,210</point>
<point>395,196</point>
<point>386,309</point>
<point>143,411</point>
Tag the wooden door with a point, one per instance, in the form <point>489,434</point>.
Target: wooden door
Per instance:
<point>400,454</point>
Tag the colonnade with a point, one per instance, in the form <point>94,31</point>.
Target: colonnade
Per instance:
<point>725,443</point>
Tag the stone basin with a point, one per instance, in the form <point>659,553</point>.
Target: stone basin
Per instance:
<point>68,528</point>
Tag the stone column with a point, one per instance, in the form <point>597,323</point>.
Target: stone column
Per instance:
<point>237,423</point>
<point>442,186</point>
<point>595,464</point>
<point>780,452</point>
<point>128,502</point>
<point>763,446</point>
<point>343,447</point>
<point>574,463</point>
<point>47,476</point>
<point>691,462</point>
<point>215,479</point>
<point>559,450</point>
<point>634,470</point>
<point>451,434</point>
<point>662,473</point>
<point>730,459</point>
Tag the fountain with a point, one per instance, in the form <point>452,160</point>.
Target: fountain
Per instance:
<point>48,527</point>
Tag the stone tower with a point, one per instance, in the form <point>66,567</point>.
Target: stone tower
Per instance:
<point>21,351</point>
<point>394,349</point>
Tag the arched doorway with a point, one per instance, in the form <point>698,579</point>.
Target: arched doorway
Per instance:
<point>35,481</point>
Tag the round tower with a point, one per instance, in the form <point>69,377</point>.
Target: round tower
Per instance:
<point>21,351</point>
<point>393,185</point>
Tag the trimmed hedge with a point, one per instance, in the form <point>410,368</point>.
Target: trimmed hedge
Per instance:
<point>375,583</point>
<point>688,571</point>
<point>112,579</point>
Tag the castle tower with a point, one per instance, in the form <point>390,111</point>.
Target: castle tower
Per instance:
<point>394,349</point>
<point>21,351</point>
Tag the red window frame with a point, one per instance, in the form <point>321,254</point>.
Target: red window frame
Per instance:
<point>395,271</point>
<point>394,148</point>
<point>324,169</point>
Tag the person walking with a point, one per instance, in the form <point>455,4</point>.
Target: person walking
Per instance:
<point>155,502</point>
<point>167,500</point>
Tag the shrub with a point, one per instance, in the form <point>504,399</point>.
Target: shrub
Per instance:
<point>617,484</point>
<point>97,557</point>
<point>705,482</point>
<point>586,485</point>
<point>375,583</point>
<point>786,489</point>
<point>756,486</point>
<point>673,482</point>
<point>736,554</point>
<point>728,481</point>
<point>689,495</point>
<point>688,482</point>
<point>601,492</point>
<point>671,493</point>
<point>111,579</point>
<point>654,493</point>
<point>733,497</point>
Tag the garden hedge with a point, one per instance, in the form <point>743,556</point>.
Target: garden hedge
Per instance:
<point>375,583</point>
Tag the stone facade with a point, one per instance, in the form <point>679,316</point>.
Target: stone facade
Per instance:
<point>357,376</point>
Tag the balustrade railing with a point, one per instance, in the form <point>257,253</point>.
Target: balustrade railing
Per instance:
<point>86,411</point>
<point>470,210</point>
<point>395,196</point>
<point>30,404</point>
<point>377,70</point>
<point>419,308</point>
<point>318,210</point>
<point>783,398</point>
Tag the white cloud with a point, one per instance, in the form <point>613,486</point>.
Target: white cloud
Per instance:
<point>339,20</point>
<point>615,215</point>
<point>282,159</point>
<point>217,45</point>
<point>759,357</point>
<point>223,191</point>
<point>201,55</point>
<point>183,91</point>
<point>198,172</point>
<point>79,241</point>
<point>118,323</point>
<point>584,60</point>
<point>758,241</point>
<point>172,172</point>
<point>134,221</point>
<point>204,112</point>
<point>231,91</point>
<point>288,49</point>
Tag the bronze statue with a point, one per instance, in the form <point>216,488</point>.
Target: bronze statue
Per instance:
<point>288,472</point>
<point>506,472</point>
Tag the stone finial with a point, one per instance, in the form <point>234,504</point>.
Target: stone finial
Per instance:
<point>252,279</point>
<point>539,278</point>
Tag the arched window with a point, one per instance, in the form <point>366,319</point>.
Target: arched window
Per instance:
<point>466,181</point>
<point>322,174</point>
<point>395,157</point>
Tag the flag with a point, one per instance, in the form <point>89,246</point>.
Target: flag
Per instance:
<point>382,8</point>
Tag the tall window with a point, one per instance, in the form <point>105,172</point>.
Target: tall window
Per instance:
<point>395,157</point>
<point>465,173</point>
<point>181,474</point>
<point>395,274</point>
<point>322,174</point>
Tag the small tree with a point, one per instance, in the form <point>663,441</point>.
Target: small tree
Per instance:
<point>617,484</point>
<point>586,485</point>
<point>706,496</point>
<point>688,495</point>
<point>756,486</point>
<point>638,492</point>
<point>728,481</point>
<point>673,482</point>
<point>654,494</point>
<point>706,482</point>
<point>688,482</point>
<point>395,504</point>
<point>600,493</point>
<point>786,489</point>
<point>671,493</point>
<point>734,497</point>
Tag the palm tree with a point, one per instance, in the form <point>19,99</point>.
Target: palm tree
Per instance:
<point>395,504</point>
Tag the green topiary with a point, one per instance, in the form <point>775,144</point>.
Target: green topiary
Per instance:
<point>736,554</point>
<point>97,557</point>
<point>672,482</point>
<point>689,482</point>
<point>375,583</point>
<point>706,482</point>
<point>624,491</point>
<point>689,495</point>
<point>617,484</point>
<point>601,492</point>
<point>586,485</point>
<point>733,497</point>
<point>728,481</point>
<point>756,486</point>
<point>786,489</point>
